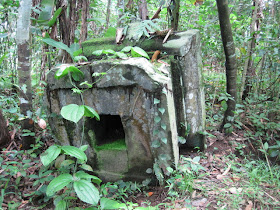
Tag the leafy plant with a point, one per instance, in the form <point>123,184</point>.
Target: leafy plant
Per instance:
<point>74,50</point>
<point>135,52</point>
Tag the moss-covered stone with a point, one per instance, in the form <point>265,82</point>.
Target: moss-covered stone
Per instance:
<point>115,145</point>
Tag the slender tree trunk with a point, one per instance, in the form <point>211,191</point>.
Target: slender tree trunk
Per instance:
<point>143,10</point>
<point>84,25</point>
<point>231,72</point>
<point>4,132</point>
<point>174,9</point>
<point>108,14</point>
<point>249,69</point>
<point>25,94</point>
<point>120,7</point>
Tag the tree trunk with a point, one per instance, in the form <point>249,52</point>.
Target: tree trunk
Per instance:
<point>231,72</point>
<point>249,69</point>
<point>174,8</point>
<point>143,10</point>
<point>108,14</point>
<point>25,93</point>
<point>120,7</point>
<point>4,132</point>
<point>84,26</point>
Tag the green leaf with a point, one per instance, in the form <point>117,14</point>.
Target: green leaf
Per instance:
<point>265,145</point>
<point>163,126</point>
<point>84,175</point>
<point>97,52</point>
<point>77,74</point>
<point>78,52</point>
<point>58,183</point>
<point>121,55</point>
<point>83,147</point>
<point>109,51</point>
<point>86,167</point>
<point>50,154</point>
<point>106,203</point>
<point>90,112</point>
<point>161,110</point>
<point>138,52</point>
<point>155,144</point>
<point>61,205</point>
<point>164,140</point>
<point>196,159</point>
<point>55,16</point>
<point>80,57</point>
<point>149,171</point>
<point>72,112</point>
<point>86,192</point>
<point>126,49</point>
<point>156,101</point>
<point>227,125</point>
<point>58,45</point>
<point>61,72</point>
<point>74,152</point>
<point>157,119</point>
<point>111,32</point>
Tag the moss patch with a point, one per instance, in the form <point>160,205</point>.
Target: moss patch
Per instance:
<point>116,145</point>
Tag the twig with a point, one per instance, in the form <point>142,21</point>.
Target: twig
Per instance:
<point>271,197</point>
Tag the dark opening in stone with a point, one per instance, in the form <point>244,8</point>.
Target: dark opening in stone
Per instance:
<point>109,129</point>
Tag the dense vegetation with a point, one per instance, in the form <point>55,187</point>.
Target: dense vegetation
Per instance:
<point>239,169</point>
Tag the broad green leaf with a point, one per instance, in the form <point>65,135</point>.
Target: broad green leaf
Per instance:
<point>80,57</point>
<point>61,72</point>
<point>58,183</point>
<point>61,205</point>
<point>138,52</point>
<point>74,152</point>
<point>83,147</point>
<point>55,16</point>
<point>78,52</point>
<point>50,154</point>
<point>97,52</point>
<point>77,74</point>
<point>4,35</point>
<point>265,145</point>
<point>56,44</point>
<point>86,192</point>
<point>90,112</point>
<point>121,55</point>
<point>126,49</point>
<point>106,203</point>
<point>72,112</point>
<point>196,159</point>
<point>109,51</point>
<point>111,32</point>
<point>227,125</point>
<point>84,175</point>
<point>86,167</point>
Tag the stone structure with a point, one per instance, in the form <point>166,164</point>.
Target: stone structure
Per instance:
<point>142,109</point>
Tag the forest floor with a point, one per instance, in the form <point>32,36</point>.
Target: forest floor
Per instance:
<point>229,180</point>
<point>225,179</point>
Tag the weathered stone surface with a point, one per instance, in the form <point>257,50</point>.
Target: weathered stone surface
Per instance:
<point>128,90</point>
<point>138,103</point>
